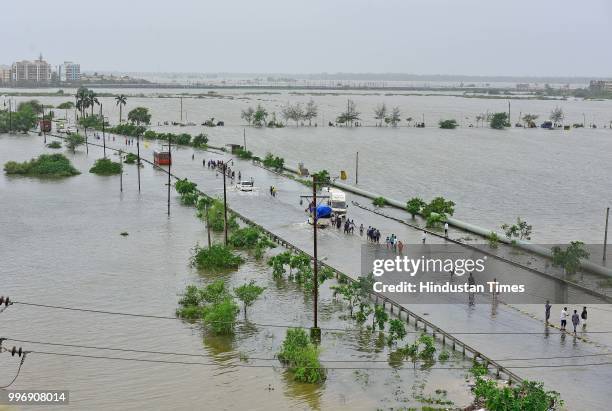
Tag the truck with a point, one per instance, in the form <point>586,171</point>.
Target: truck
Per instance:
<point>336,200</point>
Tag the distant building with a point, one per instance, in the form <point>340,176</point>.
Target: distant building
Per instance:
<point>70,72</point>
<point>522,87</point>
<point>38,71</point>
<point>601,85</point>
<point>5,74</point>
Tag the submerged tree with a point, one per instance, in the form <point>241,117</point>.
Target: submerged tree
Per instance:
<point>311,112</point>
<point>247,115</point>
<point>139,115</point>
<point>350,116</point>
<point>380,112</point>
<point>121,101</point>
<point>394,118</point>
<point>248,293</point>
<point>529,120</point>
<point>557,116</point>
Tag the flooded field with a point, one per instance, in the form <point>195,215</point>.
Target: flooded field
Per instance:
<point>556,180</point>
<point>61,244</point>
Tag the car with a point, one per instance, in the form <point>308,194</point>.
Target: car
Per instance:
<point>245,186</point>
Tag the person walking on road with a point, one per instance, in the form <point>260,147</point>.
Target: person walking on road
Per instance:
<point>563,318</point>
<point>575,320</point>
<point>424,236</point>
<point>583,316</point>
<point>446,230</point>
<point>547,308</point>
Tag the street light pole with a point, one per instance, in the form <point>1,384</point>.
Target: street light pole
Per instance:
<point>169,167</point>
<point>138,160</point>
<point>225,202</point>
<point>103,137</point>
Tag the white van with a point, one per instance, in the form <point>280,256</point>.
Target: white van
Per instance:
<point>336,200</point>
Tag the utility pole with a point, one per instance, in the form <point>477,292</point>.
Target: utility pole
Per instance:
<point>244,137</point>
<point>509,118</point>
<point>207,226</point>
<point>138,160</point>
<point>10,117</point>
<point>224,205</point>
<point>42,124</point>
<point>121,175</point>
<point>169,167</point>
<point>606,234</point>
<point>357,168</point>
<point>315,331</point>
<point>103,137</point>
<point>181,109</point>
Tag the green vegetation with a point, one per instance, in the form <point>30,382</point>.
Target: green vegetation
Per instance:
<point>243,154</point>
<point>217,257</point>
<point>93,121</point>
<point>277,163</point>
<point>437,211</point>
<point>187,190</point>
<point>423,348</point>
<point>130,130</point>
<point>300,269</point>
<point>251,238</point>
<point>322,177</point>
<point>121,100</point>
<point>493,239</point>
<point>130,158</point>
<point>259,116</point>
<point>350,116</point>
<point>248,293</point>
<point>199,141</point>
<point>570,258</point>
<point>106,167</point>
<point>213,303</point>
<point>54,144</point>
<point>397,331</point>
<point>139,116</point>
<point>74,140</point>
<point>23,120</point>
<point>448,124</point>
<point>415,205</point>
<point>46,165</point>
<point>528,396</point>
<point>302,357</point>
<point>499,121</point>
<point>379,202</point>
<point>521,230</point>
<point>216,216</point>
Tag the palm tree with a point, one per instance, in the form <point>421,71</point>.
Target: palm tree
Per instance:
<point>92,100</point>
<point>81,99</point>
<point>121,101</point>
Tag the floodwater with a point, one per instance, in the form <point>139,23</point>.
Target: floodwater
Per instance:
<point>61,245</point>
<point>556,180</point>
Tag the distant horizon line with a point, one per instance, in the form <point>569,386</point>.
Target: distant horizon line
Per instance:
<point>380,76</point>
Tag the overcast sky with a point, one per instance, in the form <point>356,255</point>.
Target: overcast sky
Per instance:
<point>473,37</point>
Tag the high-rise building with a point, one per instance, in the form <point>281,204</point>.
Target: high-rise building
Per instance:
<point>37,71</point>
<point>5,74</point>
<point>70,71</point>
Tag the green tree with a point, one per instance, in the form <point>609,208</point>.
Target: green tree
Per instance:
<point>259,117</point>
<point>350,116</point>
<point>414,206</point>
<point>380,317</point>
<point>380,112</point>
<point>35,105</point>
<point>529,120</point>
<point>311,112</point>
<point>570,258</point>
<point>139,115</point>
<point>499,121</point>
<point>247,115</point>
<point>394,118</point>
<point>248,293</point>
<point>448,124</point>
<point>121,100</point>
<point>74,140</point>
<point>557,116</point>
<point>67,105</point>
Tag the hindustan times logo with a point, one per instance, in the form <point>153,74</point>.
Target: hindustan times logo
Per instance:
<point>412,266</point>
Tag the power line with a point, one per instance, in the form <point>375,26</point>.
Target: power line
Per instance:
<point>273,366</point>
<point>268,358</point>
<point>23,357</point>
<point>288,325</point>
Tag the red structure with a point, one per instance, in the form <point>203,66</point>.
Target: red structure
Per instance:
<point>162,158</point>
<point>45,126</point>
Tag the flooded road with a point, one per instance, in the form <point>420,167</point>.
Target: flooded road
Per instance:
<point>61,245</point>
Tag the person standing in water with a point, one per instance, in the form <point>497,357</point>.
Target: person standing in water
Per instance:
<point>575,320</point>
<point>583,316</point>
<point>446,230</point>
<point>547,308</point>
<point>424,236</point>
<point>563,318</point>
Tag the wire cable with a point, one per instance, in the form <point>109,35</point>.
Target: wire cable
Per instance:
<point>268,358</point>
<point>23,357</point>
<point>290,325</point>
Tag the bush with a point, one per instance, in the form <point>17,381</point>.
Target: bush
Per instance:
<point>271,161</point>
<point>130,158</point>
<point>571,257</point>
<point>216,217</point>
<point>302,357</point>
<point>200,141</point>
<point>244,154</point>
<point>379,202</point>
<point>46,165</point>
<point>448,124</point>
<point>130,130</point>
<point>529,395</point>
<point>499,121</point>
<point>54,144</point>
<point>106,167</point>
<point>415,205</point>
<point>220,316</point>
<point>493,239</point>
<point>217,257</point>
<point>248,293</point>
